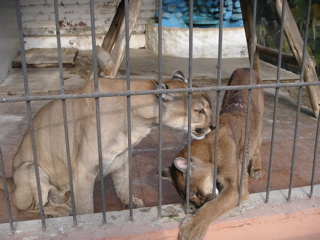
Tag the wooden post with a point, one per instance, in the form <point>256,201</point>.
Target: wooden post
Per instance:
<point>104,60</point>
<point>295,40</point>
<point>247,21</point>
<point>114,29</point>
<point>118,50</point>
<point>114,41</point>
<point>110,37</point>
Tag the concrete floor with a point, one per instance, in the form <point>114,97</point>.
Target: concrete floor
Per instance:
<point>144,65</point>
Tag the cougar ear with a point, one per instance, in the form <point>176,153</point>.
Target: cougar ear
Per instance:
<point>177,74</point>
<point>165,174</point>
<point>181,164</point>
<point>165,96</point>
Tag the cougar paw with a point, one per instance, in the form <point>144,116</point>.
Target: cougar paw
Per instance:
<point>256,173</point>
<point>192,229</point>
<point>137,203</point>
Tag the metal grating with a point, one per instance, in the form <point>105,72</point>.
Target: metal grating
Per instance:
<point>28,99</point>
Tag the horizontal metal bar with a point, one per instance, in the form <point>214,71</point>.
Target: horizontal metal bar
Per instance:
<point>158,91</point>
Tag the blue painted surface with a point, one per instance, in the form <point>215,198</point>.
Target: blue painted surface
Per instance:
<point>175,13</point>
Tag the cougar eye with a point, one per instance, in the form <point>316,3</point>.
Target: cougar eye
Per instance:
<point>195,194</point>
<point>199,195</point>
<point>201,111</point>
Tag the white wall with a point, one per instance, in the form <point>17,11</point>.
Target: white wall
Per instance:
<point>9,38</point>
<point>74,17</point>
<point>175,42</point>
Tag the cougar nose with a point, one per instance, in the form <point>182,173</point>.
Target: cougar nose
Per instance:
<point>199,130</point>
<point>209,197</point>
<point>212,127</point>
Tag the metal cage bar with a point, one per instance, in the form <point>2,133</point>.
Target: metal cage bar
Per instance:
<point>128,93</point>
<point>252,49</point>
<point>65,118</point>
<point>29,114</point>
<point>295,139</point>
<point>218,102</point>
<point>158,91</point>
<point>189,106</point>
<point>314,164</point>
<point>276,100</point>
<point>126,19</point>
<point>97,105</point>
<point>160,108</point>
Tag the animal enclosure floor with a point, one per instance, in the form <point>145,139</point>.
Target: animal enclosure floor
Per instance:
<point>44,81</point>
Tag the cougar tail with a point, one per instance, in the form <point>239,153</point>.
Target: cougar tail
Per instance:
<point>10,184</point>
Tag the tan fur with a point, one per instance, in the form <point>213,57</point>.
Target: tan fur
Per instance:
<point>230,152</point>
<point>81,113</point>
<point>10,184</point>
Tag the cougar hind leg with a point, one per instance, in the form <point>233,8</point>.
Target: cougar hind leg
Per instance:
<point>25,196</point>
<point>256,170</point>
<point>59,203</point>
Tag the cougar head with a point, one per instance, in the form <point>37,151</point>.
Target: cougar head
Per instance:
<point>201,180</point>
<point>201,172</point>
<point>175,106</point>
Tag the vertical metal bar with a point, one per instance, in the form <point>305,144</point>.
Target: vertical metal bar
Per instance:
<point>243,164</point>
<point>29,110</point>
<point>6,192</point>
<point>160,108</point>
<point>218,101</point>
<point>295,140</point>
<point>160,42</point>
<point>64,108</point>
<point>189,104</point>
<point>315,158</point>
<point>97,103</point>
<point>126,17</point>
<point>275,109</point>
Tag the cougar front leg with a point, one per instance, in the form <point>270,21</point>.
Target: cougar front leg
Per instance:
<point>83,183</point>
<point>196,226</point>
<point>120,179</point>
<point>256,170</point>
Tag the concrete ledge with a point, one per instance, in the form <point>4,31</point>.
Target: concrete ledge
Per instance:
<point>83,42</point>
<point>278,219</point>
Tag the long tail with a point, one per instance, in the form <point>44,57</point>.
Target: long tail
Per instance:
<point>10,184</point>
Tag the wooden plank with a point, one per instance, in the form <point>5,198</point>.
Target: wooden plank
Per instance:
<point>47,57</point>
<point>288,58</point>
<point>28,54</point>
<point>50,58</point>
<point>295,40</point>
<point>36,58</point>
<point>69,56</point>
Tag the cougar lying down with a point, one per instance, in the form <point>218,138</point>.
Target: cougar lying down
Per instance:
<point>51,146</point>
<point>230,151</point>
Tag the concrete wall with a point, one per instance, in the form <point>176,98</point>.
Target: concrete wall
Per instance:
<point>38,20</point>
<point>9,39</point>
<point>175,42</point>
